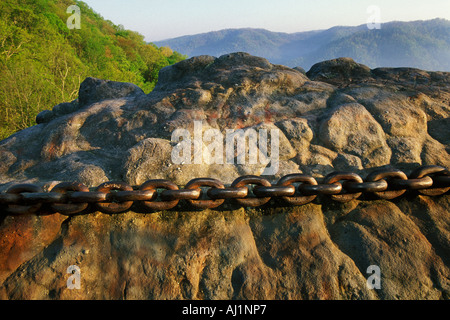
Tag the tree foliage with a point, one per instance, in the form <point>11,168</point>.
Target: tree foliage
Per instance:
<point>42,62</point>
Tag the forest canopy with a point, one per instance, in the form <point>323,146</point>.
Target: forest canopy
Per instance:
<point>43,62</point>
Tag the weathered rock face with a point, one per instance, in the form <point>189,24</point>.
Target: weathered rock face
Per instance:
<point>339,116</point>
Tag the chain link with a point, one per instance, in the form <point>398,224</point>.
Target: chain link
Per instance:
<point>70,198</point>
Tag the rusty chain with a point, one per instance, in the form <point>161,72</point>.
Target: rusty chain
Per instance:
<point>70,198</point>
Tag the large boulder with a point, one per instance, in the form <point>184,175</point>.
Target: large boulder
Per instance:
<point>339,71</point>
<point>339,116</point>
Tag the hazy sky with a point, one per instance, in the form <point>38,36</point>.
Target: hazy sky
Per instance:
<point>163,19</point>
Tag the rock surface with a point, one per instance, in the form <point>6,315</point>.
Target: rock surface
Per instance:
<point>340,115</point>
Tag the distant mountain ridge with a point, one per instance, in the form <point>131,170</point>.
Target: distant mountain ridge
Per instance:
<point>419,44</point>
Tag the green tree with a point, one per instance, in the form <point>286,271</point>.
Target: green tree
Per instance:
<point>42,62</point>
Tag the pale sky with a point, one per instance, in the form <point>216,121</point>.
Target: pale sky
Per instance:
<point>163,19</point>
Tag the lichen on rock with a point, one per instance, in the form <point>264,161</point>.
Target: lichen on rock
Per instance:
<point>340,115</point>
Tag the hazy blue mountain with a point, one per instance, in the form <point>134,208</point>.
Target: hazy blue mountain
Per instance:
<point>420,44</point>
